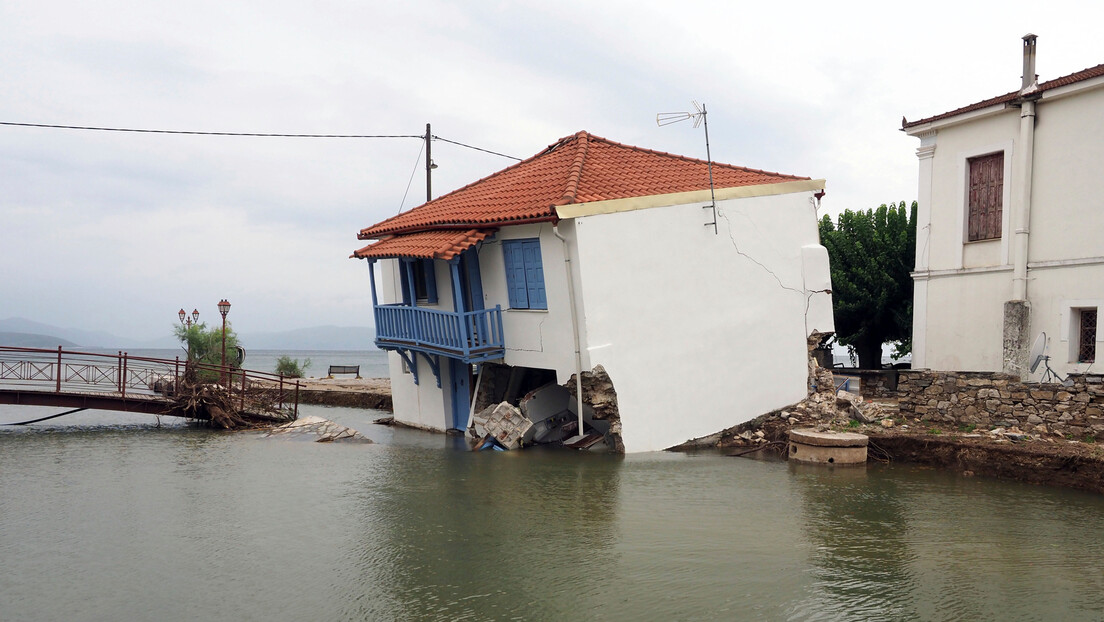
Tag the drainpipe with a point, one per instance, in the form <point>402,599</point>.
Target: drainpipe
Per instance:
<point>574,325</point>
<point>1024,168</point>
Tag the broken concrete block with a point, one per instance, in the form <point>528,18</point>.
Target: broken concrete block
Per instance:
<point>507,425</point>
<point>319,430</point>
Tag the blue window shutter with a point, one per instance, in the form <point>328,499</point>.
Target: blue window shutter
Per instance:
<point>403,267</point>
<point>515,274</point>
<point>430,281</point>
<point>534,274</point>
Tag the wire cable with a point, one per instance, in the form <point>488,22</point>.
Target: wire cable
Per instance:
<point>417,161</point>
<point>453,142</point>
<point>197,133</point>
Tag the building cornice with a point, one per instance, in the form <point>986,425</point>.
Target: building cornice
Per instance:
<point>612,206</point>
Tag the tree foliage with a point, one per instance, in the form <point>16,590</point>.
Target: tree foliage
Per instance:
<point>291,368</point>
<point>204,345</point>
<point>871,255</point>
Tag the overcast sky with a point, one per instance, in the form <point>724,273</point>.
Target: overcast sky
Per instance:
<point>116,232</point>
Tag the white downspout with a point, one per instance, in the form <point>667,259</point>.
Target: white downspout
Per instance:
<point>574,325</point>
<point>1028,87</point>
<point>1023,218</point>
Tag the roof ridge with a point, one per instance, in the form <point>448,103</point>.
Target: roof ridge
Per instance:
<point>1087,73</point>
<point>575,173</point>
<point>734,167</point>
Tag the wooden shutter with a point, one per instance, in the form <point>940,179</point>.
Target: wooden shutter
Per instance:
<point>515,274</point>
<point>534,274</point>
<point>986,197</point>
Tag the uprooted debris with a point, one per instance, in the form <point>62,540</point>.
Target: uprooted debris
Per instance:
<point>319,430</point>
<point>212,403</point>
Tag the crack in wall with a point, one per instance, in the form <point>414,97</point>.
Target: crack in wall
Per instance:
<point>732,238</point>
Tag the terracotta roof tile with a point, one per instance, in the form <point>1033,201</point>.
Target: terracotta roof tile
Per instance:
<point>1084,74</point>
<point>434,244</point>
<point>576,169</point>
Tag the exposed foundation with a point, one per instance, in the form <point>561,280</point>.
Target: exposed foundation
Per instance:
<point>549,406</point>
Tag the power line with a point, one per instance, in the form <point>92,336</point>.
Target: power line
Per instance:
<point>250,134</point>
<point>196,133</point>
<point>476,148</point>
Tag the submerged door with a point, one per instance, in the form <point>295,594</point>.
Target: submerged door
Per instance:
<point>461,394</point>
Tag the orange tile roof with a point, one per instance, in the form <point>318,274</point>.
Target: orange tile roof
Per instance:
<point>576,169</point>
<point>1079,76</point>
<point>434,244</point>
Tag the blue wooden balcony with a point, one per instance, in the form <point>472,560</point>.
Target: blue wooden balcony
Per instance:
<point>471,336</point>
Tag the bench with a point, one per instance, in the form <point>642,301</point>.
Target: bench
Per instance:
<point>344,369</point>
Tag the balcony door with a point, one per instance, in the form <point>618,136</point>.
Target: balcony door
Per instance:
<point>459,385</point>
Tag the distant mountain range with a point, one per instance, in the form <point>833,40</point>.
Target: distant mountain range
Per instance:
<point>24,333</point>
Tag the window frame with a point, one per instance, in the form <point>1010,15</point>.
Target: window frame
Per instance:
<point>523,264</point>
<point>425,280</point>
<point>977,207</point>
<point>1087,322</point>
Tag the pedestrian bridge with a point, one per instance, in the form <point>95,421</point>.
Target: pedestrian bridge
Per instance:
<point>80,380</point>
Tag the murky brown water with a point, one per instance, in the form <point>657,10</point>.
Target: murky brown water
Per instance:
<point>135,523</point>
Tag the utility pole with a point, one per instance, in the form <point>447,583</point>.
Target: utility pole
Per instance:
<point>429,166</point>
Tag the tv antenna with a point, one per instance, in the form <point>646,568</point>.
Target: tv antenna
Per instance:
<point>699,118</point>
<point>1038,356</point>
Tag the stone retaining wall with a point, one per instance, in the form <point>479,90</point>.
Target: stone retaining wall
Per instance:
<point>987,400</point>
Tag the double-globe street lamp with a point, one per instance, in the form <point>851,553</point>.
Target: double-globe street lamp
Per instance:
<point>186,321</point>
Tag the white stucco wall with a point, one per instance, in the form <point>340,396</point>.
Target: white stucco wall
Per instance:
<point>534,338</point>
<point>699,331</point>
<point>961,287</point>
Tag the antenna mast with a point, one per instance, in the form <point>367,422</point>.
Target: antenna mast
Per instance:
<point>700,117</point>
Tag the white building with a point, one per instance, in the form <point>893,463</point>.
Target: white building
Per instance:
<point>593,252</point>
<point>1010,228</point>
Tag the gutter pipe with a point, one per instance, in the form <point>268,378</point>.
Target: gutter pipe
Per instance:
<point>1023,228</point>
<point>574,325</point>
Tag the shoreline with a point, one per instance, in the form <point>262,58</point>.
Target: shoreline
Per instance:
<point>1045,461</point>
<point>1021,457</point>
<point>372,393</point>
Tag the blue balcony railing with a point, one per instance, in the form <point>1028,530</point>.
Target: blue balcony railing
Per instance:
<point>472,335</point>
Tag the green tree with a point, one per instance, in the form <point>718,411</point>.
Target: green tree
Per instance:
<point>871,255</point>
<point>204,346</point>
<point>291,368</point>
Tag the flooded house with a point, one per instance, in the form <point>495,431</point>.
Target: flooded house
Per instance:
<point>594,259</point>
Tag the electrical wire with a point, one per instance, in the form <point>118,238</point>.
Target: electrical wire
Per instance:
<point>453,142</point>
<point>417,161</point>
<point>197,133</point>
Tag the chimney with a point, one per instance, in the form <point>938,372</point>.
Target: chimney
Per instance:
<point>1029,76</point>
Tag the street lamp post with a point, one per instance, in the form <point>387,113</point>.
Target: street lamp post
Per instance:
<point>224,308</point>
<point>186,321</point>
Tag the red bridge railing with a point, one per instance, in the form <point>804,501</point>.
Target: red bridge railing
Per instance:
<point>138,377</point>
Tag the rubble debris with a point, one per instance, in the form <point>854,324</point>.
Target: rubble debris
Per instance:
<point>319,430</point>
<point>504,423</point>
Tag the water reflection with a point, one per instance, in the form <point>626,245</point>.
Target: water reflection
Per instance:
<point>936,546</point>
<point>462,535</point>
<point>860,557</point>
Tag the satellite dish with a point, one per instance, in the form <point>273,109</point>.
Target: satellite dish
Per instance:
<point>1036,355</point>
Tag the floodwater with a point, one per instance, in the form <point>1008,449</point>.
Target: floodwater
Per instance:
<point>106,517</point>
